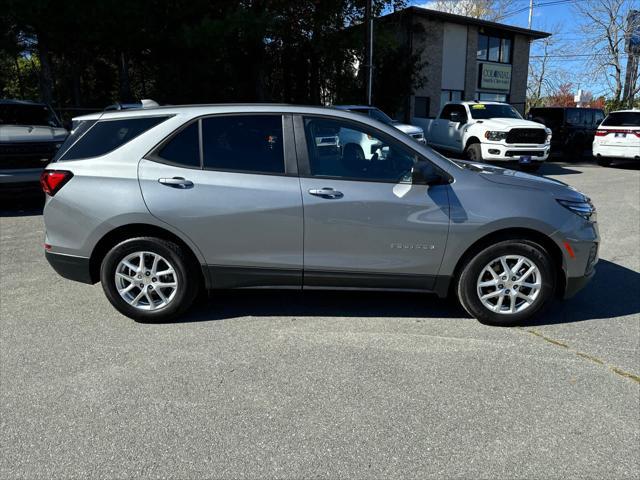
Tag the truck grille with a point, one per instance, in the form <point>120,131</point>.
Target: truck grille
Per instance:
<point>527,135</point>
<point>26,155</point>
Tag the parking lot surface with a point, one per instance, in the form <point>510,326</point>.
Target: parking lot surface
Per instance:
<point>331,385</point>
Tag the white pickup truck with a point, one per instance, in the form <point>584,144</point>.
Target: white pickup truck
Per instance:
<point>490,131</point>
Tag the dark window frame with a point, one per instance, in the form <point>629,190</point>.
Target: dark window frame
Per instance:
<point>304,162</point>
<point>500,38</point>
<point>288,147</point>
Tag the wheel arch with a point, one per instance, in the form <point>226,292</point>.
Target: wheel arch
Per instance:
<point>470,141</point>
<point>124,232</point>
<point>517,233</point>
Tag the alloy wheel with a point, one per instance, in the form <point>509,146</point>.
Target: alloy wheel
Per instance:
<point>146,280</point>
<point>509,284</point>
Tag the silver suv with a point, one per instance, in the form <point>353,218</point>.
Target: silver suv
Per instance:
<point>158,203</point>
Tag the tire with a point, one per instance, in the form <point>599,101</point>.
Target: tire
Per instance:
<point>115,275</point>
<point>474,152</point>
<point>513,309</point>
<point>604,162</point>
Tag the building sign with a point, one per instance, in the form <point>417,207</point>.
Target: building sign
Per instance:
<point>495,77</point>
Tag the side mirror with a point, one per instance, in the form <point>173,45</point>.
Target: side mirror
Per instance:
<point>423,173</point>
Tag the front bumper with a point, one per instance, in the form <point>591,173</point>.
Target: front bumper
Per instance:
<point>575,284</point>
<point>70,267</point>
<point>509,153</point>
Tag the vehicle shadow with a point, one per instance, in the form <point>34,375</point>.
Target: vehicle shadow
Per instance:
<point>557,169</point>
<point>613,292</point>
<point>626,165</point>
<point>21,204</point>
<point>321,303</point>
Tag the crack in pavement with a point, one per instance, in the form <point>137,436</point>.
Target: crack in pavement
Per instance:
<point>586,356</point>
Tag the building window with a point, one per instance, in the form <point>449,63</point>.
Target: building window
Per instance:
<point>494,49</point>
<point>421,107</point>
<point>450,96</point>
<point>492,97</point>
<point>483,46</point>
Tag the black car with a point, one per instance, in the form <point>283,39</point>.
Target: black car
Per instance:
<point>573,128</point>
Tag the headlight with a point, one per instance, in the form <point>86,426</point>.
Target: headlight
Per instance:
<point>585,209</point>
<point>495,136</point>
<point>549,134</point>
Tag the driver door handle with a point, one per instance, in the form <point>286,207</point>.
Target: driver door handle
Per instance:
<point>176,182</point>
<point>326,192</point>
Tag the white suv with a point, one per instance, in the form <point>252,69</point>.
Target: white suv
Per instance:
<point>618,137</point>
<point>490,131</point>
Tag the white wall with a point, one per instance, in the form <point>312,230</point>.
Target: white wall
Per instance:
<point>454,56</point>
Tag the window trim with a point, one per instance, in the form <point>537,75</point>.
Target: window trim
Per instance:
<point>500,38</point>
<point>99,121</point>
<point>288,149</point>
<point>304,163</point>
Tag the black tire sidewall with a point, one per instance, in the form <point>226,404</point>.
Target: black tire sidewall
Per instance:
<point>467,283</point>
<point>477,152</point>
<point>187,287</point>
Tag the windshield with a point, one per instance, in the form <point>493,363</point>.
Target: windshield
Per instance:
<point>16,114</point>
<point>622,119</point>
<point>492,110</point>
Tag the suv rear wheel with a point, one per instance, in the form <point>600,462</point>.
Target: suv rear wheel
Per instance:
<point>148,279</point>
<point>507,283</point>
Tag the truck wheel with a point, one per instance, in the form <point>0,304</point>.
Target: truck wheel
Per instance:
<point>507,283</point>
<point>474,152</point>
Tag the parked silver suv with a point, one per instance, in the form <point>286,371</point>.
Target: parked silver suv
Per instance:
<point>157,203</point>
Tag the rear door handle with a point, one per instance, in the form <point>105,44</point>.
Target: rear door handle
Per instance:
<point>176,182</point>
<point>326,192</point>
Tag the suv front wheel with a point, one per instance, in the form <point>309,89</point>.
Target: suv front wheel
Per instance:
<point>507,283</point>
<point>148,279</point>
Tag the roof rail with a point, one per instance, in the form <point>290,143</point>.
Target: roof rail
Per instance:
<point>144,103</point>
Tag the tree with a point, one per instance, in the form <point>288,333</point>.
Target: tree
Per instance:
<point>605,27</point>
<point>562,97</point>
<point>494,10</point>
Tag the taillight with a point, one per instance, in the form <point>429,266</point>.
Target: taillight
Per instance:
<point>53,180</point>
<point>601,133</point>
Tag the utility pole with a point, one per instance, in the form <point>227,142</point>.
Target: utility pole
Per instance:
<point>530,13</point>
<point>368,49</point>
<point>632,45</point>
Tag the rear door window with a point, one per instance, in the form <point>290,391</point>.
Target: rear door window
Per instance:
<point>243,143</point>
<point>574,116</point>
<point>107,135</point>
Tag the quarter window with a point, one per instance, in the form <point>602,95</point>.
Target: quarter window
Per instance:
<point>345,150</point>
<point>183,148</point>
<point>107,135</point>
<point>248,143</point>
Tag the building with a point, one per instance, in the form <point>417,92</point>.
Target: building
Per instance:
<point>464,59</point>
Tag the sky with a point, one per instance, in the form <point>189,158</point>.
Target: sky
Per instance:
<point>559,16</point>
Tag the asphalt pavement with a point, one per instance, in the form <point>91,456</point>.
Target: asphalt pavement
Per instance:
<point>327,385</point>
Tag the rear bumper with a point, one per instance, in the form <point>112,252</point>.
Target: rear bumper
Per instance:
<point>20,175</point>
<point>70,267</point>
<point>617,151</point>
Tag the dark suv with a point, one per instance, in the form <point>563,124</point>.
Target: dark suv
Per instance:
<point>573,128</point>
